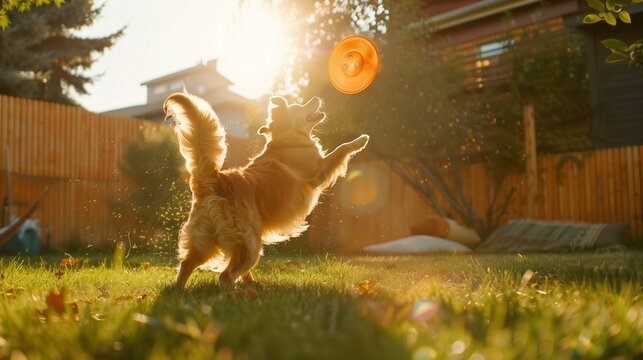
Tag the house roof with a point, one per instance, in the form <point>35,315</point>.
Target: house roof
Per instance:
<point>138,111</point>
<point>476,20</point>
<point>155,109</point>
<point>219,96</point>
<point>479,10</point>
<point>210,66</point>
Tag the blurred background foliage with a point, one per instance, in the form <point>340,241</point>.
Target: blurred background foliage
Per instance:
<point>157,200</point>
<point>425,119</point>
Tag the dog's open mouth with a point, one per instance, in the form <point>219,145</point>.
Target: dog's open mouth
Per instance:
<point>316,117</point>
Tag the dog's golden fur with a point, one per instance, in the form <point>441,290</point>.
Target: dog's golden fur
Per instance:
<point>234,212</point>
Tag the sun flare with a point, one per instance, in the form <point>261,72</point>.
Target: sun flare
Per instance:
<point>256,50</point>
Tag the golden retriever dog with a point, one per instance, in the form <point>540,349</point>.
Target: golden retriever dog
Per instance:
<point>236,211</point>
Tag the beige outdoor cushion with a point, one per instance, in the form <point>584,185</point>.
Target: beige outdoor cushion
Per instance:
<point>417,244</point>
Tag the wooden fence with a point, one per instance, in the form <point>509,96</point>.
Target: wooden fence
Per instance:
<point>75,153</point>
<point>603,186</point>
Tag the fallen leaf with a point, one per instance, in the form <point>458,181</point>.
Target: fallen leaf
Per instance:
<point>69,262</point>
<point>98,317</point>
<point>367,287</point>
<point>56,301</point>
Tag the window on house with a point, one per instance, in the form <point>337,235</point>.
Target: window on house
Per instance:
<point>488,56</point>
<point>494,49</point>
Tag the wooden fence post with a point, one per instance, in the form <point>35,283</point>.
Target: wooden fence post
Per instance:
<point>531,160</point>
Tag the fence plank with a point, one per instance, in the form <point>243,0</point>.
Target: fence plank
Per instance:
<point>631,191</point>
<point>638,199</point>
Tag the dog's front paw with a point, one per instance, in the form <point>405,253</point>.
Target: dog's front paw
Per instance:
<point>360,142</point>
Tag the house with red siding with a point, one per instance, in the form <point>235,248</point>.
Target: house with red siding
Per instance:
<point>479,30</point>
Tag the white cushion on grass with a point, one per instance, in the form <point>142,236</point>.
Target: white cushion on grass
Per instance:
<point>418,244</point>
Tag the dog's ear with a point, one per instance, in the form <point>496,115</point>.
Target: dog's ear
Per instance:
<point>277,101</point>
<point>263,130</point>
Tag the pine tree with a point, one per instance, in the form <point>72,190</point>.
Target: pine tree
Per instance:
<point>41,58</point>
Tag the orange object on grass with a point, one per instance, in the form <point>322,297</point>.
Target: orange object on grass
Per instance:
<point>446,228</point>
<point>433,226</point>
<point>353,64</point>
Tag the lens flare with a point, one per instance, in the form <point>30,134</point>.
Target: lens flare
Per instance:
<point>364,190</point>
<point>424,310</point>
<point>424,353</point>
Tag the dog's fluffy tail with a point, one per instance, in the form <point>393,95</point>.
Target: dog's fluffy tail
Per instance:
<point>201,136</point>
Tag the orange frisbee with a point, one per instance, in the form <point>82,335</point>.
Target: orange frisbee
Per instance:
<point>353,64</point>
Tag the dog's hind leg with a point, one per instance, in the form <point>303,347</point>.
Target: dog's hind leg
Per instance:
<point>196,246</point>
<point>188,264</point>
<point>242,259</point>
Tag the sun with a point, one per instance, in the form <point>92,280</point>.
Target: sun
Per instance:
<point>256,50</point>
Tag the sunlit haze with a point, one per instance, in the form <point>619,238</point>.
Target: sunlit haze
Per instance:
<point>166,36</point>
<point>255,51</point>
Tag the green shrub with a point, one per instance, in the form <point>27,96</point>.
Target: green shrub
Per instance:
<point>156,201</point>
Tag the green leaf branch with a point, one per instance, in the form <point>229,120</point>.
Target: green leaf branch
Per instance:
<point>609,11</point>
<point>21,6</point>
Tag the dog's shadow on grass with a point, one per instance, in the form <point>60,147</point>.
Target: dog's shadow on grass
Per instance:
<point>282,320</point>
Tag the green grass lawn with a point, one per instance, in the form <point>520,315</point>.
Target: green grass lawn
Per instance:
<point>328,307</point>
